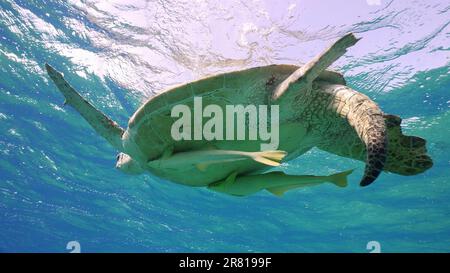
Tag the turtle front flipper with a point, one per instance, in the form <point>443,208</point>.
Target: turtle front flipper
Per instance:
<point>310,71</point>
<point>102,124</point>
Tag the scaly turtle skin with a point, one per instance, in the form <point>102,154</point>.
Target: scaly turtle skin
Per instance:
<point>317,109</point>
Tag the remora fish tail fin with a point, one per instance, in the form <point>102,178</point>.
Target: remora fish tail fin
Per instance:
<point>271,158</point>
<point>102,124</point>
<point>340,179</point>
<point>310,71</point>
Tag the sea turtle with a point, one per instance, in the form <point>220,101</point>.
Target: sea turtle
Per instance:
<point>316,109</point>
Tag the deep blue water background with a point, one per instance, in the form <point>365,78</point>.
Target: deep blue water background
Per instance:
<point>57,177</point>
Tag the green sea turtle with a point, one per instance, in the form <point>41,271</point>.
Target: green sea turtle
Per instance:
<point>316,109</point>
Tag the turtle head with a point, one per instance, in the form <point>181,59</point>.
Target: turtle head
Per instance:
<point>127,164</point>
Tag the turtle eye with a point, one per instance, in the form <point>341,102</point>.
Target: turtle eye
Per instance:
<point>117,157</point>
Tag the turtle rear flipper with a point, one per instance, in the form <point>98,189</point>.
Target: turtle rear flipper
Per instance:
<point>407,155</point>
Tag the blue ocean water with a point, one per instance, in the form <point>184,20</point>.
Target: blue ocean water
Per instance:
<point>57,177</point>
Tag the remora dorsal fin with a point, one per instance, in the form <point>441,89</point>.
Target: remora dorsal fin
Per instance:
<point>230,179</point>
<point>279,191</point>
